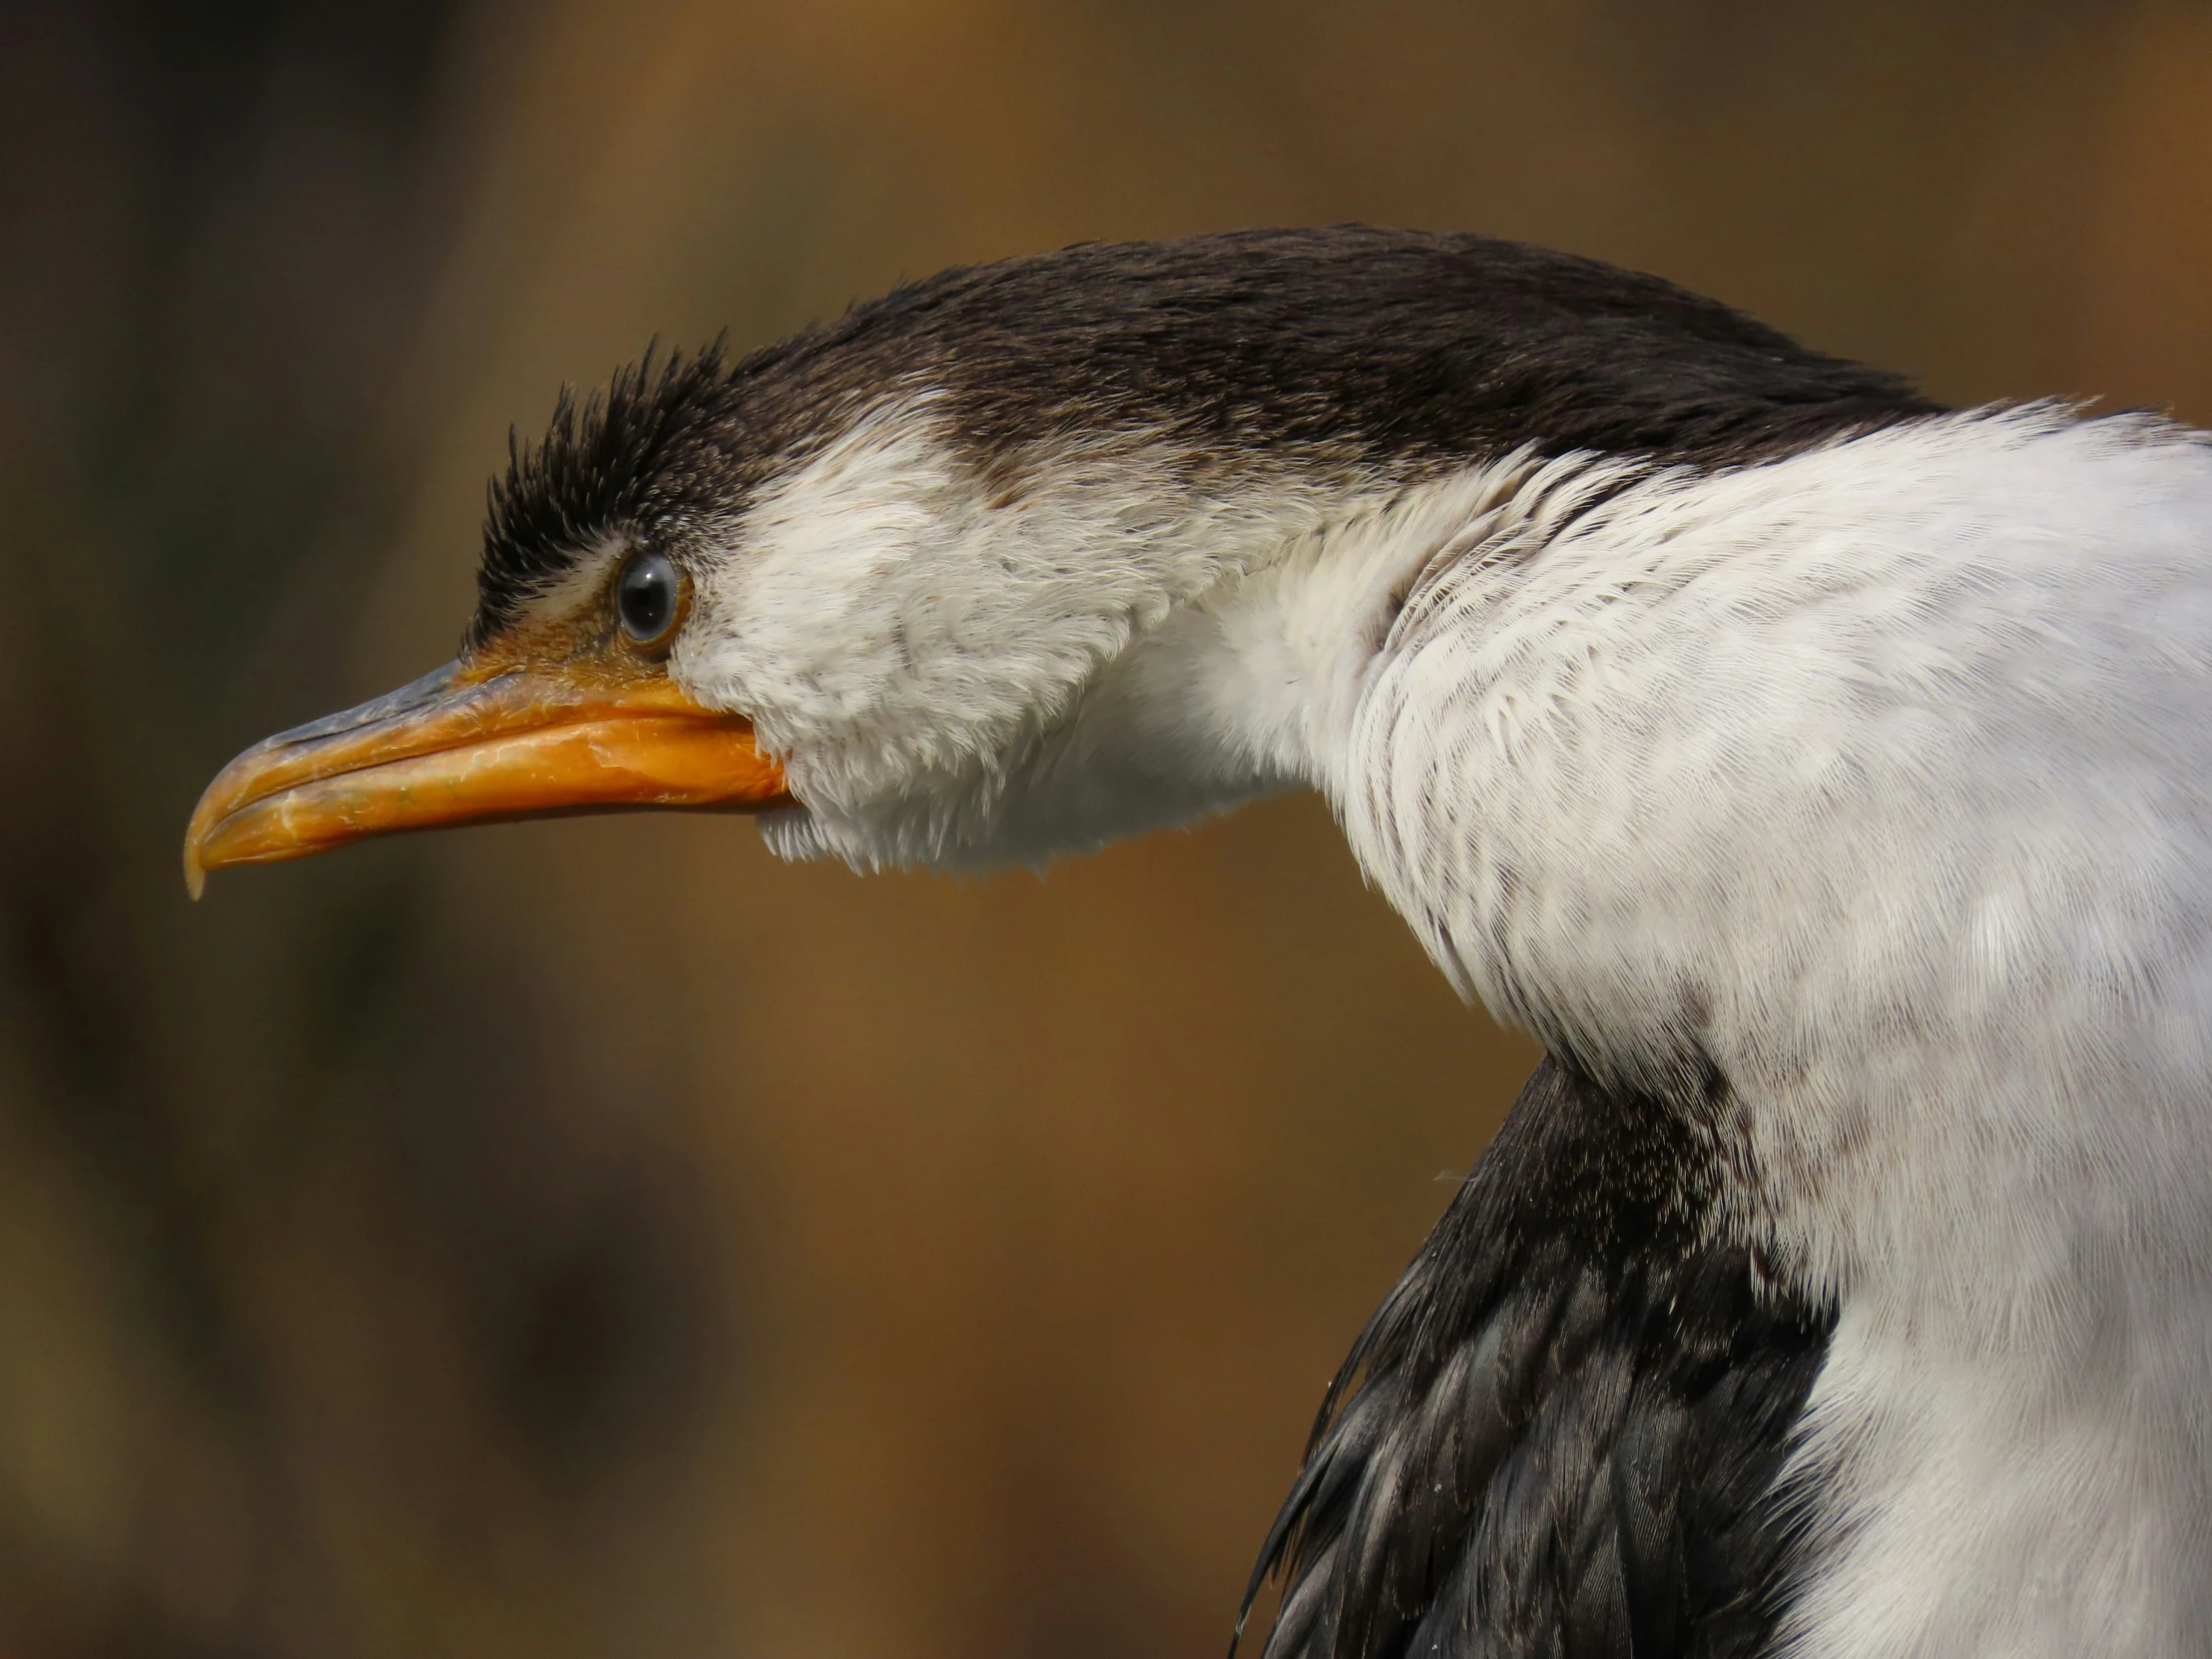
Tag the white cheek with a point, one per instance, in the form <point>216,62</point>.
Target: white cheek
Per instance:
<point>918,651</point>
<point>903,642</point>
<point>803,624</point>
<point>898,641</point>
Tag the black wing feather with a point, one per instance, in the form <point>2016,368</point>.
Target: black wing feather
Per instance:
<point>1561,1436</point>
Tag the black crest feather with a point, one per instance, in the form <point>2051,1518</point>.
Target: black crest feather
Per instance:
<point>605,462</point>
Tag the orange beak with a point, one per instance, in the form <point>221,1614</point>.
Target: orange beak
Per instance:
<point>457,748</point>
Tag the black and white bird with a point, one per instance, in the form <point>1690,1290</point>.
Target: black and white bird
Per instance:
<point>1823,776</point>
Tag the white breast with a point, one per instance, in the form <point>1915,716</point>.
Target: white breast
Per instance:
<point>1881,779</point>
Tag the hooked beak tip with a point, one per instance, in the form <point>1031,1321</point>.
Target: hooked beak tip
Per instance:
<point>451,750</point>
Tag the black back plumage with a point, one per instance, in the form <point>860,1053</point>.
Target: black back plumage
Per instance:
<point>1560,1437</point>
<point>1393,354</point>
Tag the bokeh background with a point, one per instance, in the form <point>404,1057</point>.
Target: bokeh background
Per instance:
<point>592,1238</point>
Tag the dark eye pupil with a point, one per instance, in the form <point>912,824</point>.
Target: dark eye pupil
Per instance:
<point>646,597</point>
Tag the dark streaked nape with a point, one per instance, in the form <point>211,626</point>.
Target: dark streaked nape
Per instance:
<point>1401,351</point>
<point>1379,354</point>
<point>1563,1432</point>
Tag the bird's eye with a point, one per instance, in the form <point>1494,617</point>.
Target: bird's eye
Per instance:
<point>645,597</point>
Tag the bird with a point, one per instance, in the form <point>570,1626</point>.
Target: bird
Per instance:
<point>1820,773</point>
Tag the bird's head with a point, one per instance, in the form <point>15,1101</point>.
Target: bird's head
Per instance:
<point>1024,557</point>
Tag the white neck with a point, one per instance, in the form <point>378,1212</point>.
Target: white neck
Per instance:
<point>1258,681</point>
<point>1879,782</point>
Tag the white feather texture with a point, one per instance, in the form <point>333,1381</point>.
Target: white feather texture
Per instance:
<point>955,678</point>
<point>1877,780</point>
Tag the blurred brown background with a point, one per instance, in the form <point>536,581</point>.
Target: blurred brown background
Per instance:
<point>593,1238</point>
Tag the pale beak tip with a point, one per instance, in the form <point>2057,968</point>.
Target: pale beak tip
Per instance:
<point>195,847</point>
